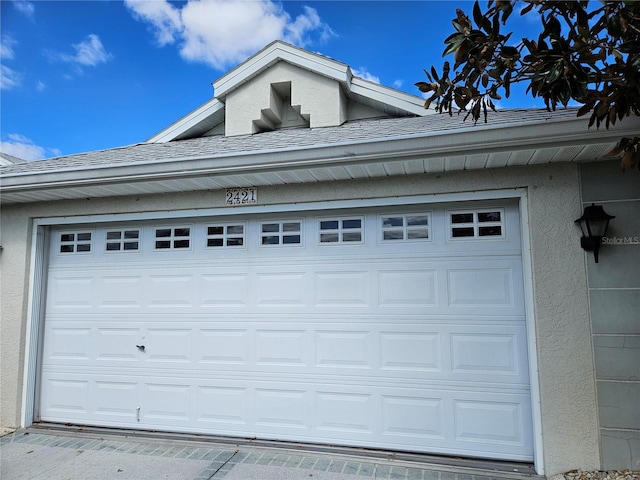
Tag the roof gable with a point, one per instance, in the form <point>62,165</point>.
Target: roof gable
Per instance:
<point>6,159</point>
<point>246,98</point>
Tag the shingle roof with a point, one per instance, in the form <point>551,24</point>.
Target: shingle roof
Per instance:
<point>287,139</point>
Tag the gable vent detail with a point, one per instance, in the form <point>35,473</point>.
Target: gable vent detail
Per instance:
<point>280,114</point>
<point>284,96</point>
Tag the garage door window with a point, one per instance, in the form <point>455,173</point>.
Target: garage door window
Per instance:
<point>123,241</point>
<point>225,235</point>
<point>281,233</point>
<point>75,242</point>
<point>173,238</point>
<point>340,230</point>
<point>412,227</point>
<point>476,224</point>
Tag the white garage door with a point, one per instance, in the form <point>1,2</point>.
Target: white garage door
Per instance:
<point>398,328</point>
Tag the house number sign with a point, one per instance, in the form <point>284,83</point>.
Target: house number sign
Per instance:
<point>241,196</point>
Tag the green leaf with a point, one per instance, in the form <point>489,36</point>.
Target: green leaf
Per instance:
<point>486,25</point>
<point>477,14</point>
<point>583,110</point>
<point>526,9</point>
<point>555,72</point>
<point>435,74</point>
<point>509,52</point>
<point>485,80</point>
<point>614,27</point>
<point>531,46</point>
<point>425,87</point>
<point>452,47</point>
<point>458,26</point>
<point>506,12</point>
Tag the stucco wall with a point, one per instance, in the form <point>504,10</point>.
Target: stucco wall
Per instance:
<point>614,291</point>
<point>563,343</point>
<point>14,267</point>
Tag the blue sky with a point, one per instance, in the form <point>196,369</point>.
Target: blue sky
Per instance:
<point>89,75</point>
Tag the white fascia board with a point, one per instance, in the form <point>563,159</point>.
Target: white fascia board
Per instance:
<point>390,96</point>
<point>190,120</point>
<point>273,53</point>
<point>423,145</point>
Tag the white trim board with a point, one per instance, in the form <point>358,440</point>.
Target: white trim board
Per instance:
<point>279,208</point>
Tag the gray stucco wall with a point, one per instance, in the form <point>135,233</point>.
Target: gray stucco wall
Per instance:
<point>563,343</point>
<point>614,294</point>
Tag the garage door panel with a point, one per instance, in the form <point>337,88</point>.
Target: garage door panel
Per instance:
<point>223,346</point>
<point>508,415</point>
<point>487,354</point>
<point>409,287</point>
<point>65,397</point>
<point>493,285</point>
<point>411,351</point>
<point>397,417</point>
<point>69,344</point>
<point>488,287</point>
<point>343,349</point>
<point>342,289</point>
<point>228,289</point>
<point>222,406</point>
<point>413,417</point>
<point>284,348</point>
<point>166,403</point>
<point>117,344</point>
<point>168,345</point>
<point>119,291</point>
<point>461,352</point>
<point>281,408</point>
<point>116,400</point>
<point>281,290</point>
<point>341,412</point>
<point>68,291</point>
<point>403,342</point>
<point>173,290</point>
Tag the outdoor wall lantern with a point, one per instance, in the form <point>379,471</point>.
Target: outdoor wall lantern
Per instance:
<point>593,223</point>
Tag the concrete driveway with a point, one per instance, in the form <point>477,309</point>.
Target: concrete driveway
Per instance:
<point>37,454</point>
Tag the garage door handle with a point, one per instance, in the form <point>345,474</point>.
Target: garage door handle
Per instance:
<point>140,347</point>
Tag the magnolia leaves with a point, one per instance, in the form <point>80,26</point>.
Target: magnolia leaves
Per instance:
<point>483,64</point>
<point>585,53</point>
<point>629,152</point>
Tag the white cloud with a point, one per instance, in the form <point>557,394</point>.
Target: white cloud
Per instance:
<point>6,47</point>
<point>398,83</point>
<point>161,15</point>
<point>22,147</point>
<point>24,7</point>
<point>363,73</point>
<point>89,52</point>
<point>40,86</point>
<point>224,32</point>
<point>297,32</point>
<point>9,78</point>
